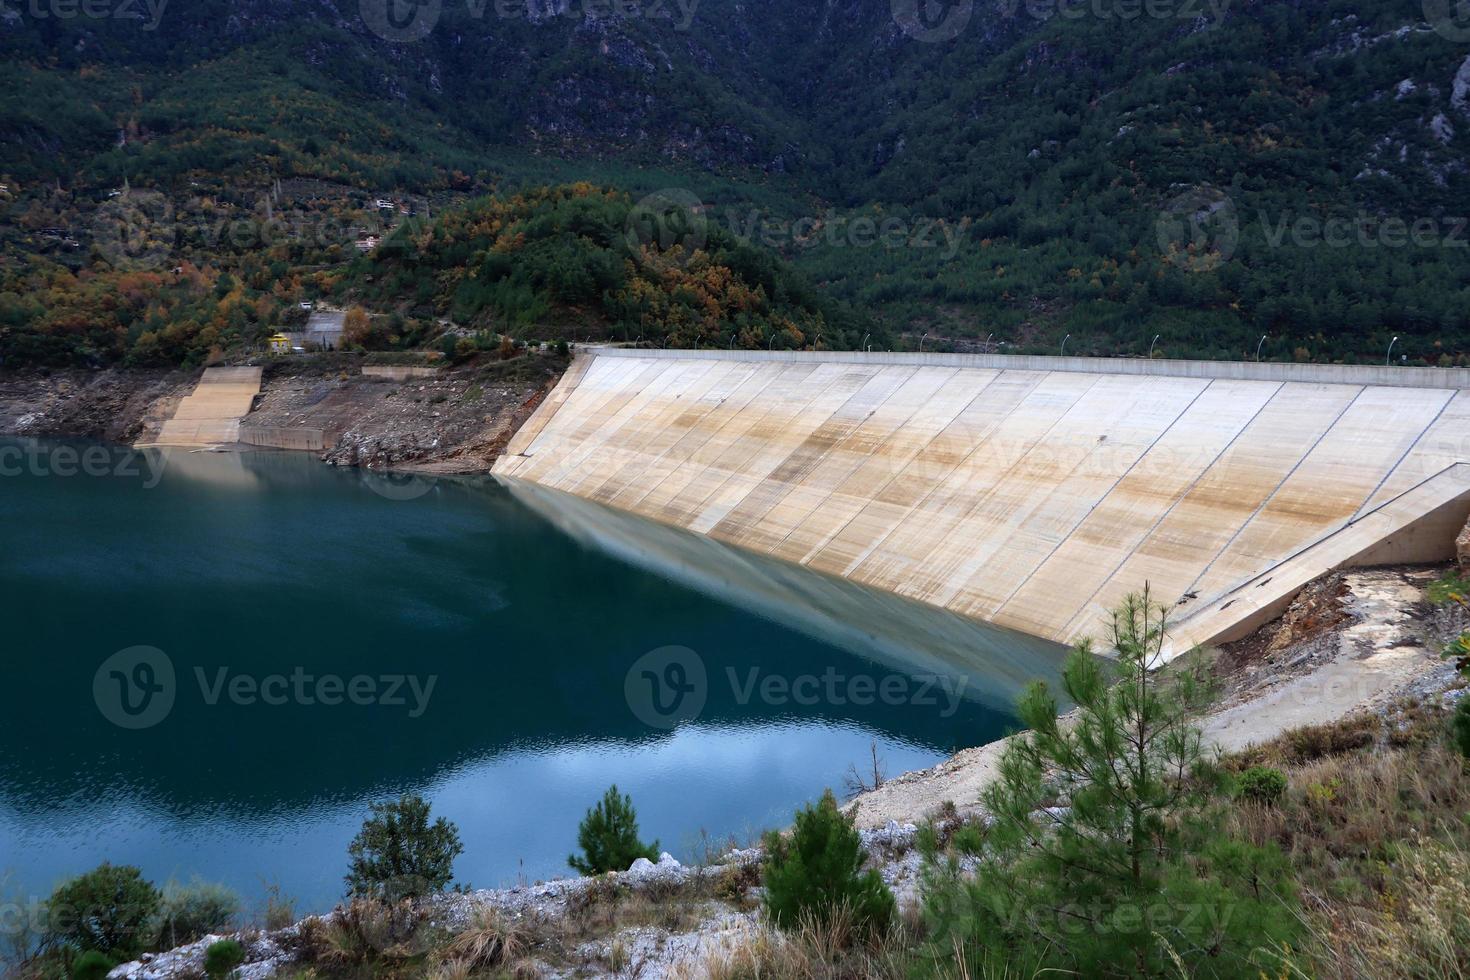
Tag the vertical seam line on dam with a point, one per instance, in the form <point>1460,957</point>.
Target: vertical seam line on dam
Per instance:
<point>787,487</point>
<point>939,481</point>
<point>990,491</point>
<point>1449,399</point>
<point>1210,383</point>
<point>1204,471</point>
<point>837,532</point>
<point>756,390</point>
<point>1275,490</point>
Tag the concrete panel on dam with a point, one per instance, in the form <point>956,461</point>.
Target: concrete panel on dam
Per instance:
<point>1031,493</point>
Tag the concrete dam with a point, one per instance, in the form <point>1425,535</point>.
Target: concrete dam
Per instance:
<point>1031,493</point>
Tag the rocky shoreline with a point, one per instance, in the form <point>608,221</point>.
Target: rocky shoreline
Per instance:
<point>456,420</point>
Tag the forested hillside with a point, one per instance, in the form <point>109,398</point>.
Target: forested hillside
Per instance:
<point>1203,173</point>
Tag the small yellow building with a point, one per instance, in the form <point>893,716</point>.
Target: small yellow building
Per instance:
<point>280,344</point>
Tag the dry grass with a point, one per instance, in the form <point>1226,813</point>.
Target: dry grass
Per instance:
<point>490,942</point>
<point>1379,843</point>
<point>1312,742</point>
<point>389,937</point>
<point>819,950</point>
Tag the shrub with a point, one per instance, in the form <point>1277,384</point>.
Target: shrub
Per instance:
<point>222,957</point>
<point>399,854</point>
<point>1261,784</point>
<point>608,836</point>
<point>111,910</point>
<point>194,911</point>
<point>280,908</point>
<point>1460,726</point>
<point>817,874</point>
<point>91,965</point>
<point>1135,876</point>
<point>562,350</point>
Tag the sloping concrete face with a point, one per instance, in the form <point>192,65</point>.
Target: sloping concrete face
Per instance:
<point>210,416</point>
<point>1032,493</point>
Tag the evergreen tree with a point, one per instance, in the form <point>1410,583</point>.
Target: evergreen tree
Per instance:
<point>608,836</point>
<point>1135,876</point>
<point>399,854</point>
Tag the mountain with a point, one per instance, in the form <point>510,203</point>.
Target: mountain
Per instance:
<point>1201,171</point>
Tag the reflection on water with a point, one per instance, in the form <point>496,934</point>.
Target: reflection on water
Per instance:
<point>244,568</point>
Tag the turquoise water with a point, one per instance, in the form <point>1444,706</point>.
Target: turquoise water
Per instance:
<point>246,572</point>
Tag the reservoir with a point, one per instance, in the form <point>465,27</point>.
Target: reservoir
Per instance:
<point>215,662</point>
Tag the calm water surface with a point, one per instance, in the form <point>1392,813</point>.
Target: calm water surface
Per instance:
<point>274,564</point>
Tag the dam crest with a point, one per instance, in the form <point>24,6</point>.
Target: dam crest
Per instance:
<point>1031,493</point>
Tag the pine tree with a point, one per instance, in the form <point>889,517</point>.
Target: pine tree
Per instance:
<point>608,836</point>
<point>1134,876</point>
<point>398,854</point>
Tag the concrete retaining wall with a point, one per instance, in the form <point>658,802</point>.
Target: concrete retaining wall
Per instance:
<point>282,437</point>
<point>397,373</point>
<point>1033,493</point>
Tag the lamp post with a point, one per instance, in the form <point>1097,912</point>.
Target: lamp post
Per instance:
<point>987,341</point>
<point>771,345</point>
<point>1258,347</point>
<point>1064,344</point>
<point>1151,347</point>
<point>864,344</point>
<point>732,341</point>
<point>1388,358</point>
<point>921,342</point>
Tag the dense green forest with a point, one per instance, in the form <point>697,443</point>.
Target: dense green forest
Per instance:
<point>549,261</point>
<point>1187,182</point>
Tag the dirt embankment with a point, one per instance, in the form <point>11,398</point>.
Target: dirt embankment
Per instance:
<point>455,420</point>
<point>1351,642</point>
<point>116,404</point>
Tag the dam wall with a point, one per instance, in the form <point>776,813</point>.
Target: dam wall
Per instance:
<point>1031,493</point>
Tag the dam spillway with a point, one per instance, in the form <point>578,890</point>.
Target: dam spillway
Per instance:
<point>1028,492</point>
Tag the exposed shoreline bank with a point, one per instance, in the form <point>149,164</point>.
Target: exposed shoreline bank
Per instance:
<point>454,420</point>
